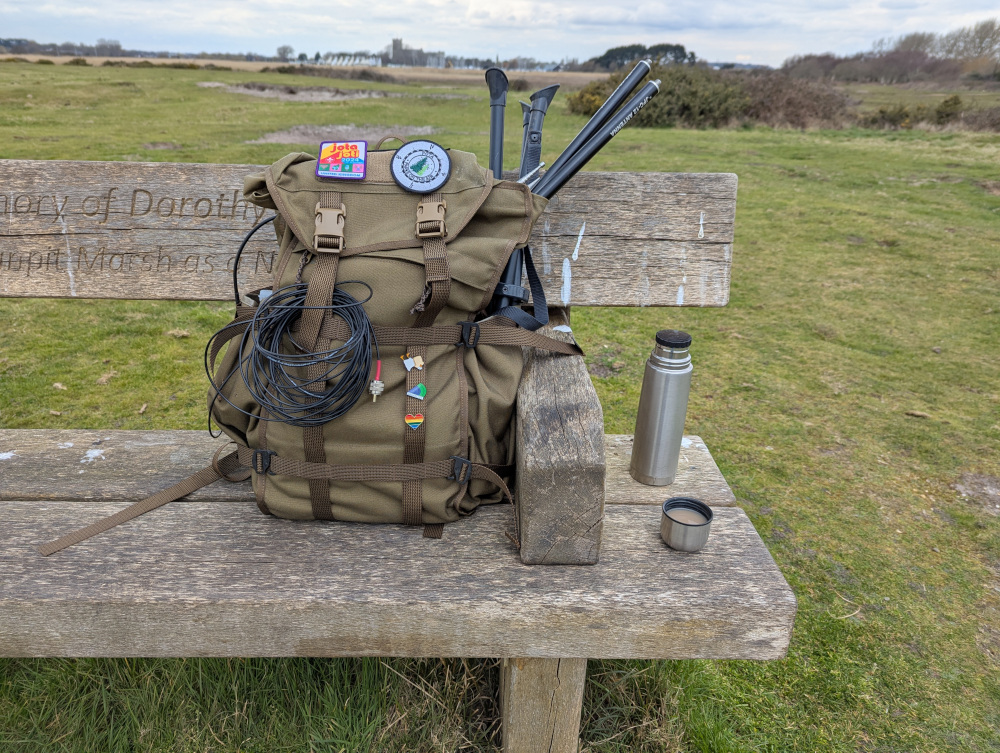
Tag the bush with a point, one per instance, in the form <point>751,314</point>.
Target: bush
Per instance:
<point>689,95</point>
<point>44,61</point>
<point>701,97</point>
<point>948,110</point>
<point>519,85</point>
<point>776,99</point>
<point>77,61</point>
<point>987,119</point>
<point>890,116</point>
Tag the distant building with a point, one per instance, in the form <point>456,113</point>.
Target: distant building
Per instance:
<point>400,54</point>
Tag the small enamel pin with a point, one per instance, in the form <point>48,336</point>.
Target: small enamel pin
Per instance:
<point>419,392</point>
<point>414,420</point>
<point>413,363</point>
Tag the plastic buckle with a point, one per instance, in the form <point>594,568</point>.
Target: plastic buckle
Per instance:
<point>516,293</point>
<point>460,470</point>
<point>329,225</point>
<point>470,334</point>
<point>262,461</point>
<point>431,212</point>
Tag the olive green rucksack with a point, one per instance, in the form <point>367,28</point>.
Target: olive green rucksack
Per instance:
<point>436,442</point>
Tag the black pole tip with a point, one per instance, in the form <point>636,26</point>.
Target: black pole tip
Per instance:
<point>545,95</point>
<point>496,79</point>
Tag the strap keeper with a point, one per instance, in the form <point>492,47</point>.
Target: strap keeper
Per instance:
<point>461,470</point>
<point>470,334</point>
<point>516,293</point>
<point>430,215</point>
<point>261,462</point>
<point>329,227</point>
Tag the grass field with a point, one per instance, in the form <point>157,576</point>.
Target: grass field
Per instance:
<point>850,393</point>
<point>872,96</point>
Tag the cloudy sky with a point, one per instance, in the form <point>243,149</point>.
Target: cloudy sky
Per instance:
<point>763,31</point>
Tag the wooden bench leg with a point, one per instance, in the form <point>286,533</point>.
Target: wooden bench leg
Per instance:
<point>541,702</point>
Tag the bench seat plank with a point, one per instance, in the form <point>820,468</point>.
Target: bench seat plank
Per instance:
<point>129,465</point>
<point>209,579</point>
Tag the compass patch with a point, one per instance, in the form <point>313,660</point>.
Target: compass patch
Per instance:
<point>421,166</point>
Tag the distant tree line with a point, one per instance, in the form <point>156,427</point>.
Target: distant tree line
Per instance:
<point>618,57</point>
<point>972,51</point>
<point>105,48</point>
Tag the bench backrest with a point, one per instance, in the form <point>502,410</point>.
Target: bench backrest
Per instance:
<point>170,231</point>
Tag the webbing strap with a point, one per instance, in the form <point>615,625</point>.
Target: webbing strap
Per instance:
<point>319,489</point>
<point>321,285</point>
<point>228,467</point>
<point>436,269</point>
<point>414,442</point>
<point>280,466</point>
<point>319,294</point>
<point>540,310</point>
<point>493,331</point>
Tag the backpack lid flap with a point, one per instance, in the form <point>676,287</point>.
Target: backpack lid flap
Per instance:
<point>378,212</point>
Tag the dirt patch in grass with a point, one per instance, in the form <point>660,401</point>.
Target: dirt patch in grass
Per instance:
<point>983,489</point>
<point>313,134</point>
<point>606,363</point>
<point>992,187</point>
<point>289,93</point>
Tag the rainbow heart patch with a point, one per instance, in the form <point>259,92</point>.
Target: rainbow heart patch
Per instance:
<point>414,421</point>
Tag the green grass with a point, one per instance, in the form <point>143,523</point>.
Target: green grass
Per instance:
<point>872,96</point>
<point>857,254</point>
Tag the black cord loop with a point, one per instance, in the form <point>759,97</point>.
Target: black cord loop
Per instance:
<point>293,385</point>
<point>282,377</point>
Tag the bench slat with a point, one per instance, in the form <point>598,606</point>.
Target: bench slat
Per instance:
<point>170,231</point>
<point>129,465</point>
<point>209,579</point>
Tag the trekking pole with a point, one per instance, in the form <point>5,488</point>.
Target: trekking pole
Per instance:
<point>531,152</point>
<point>605,112</point>
<point>554,179</point>
<point>531,159</point>
<point>496,79</point>
<point>525,111</point>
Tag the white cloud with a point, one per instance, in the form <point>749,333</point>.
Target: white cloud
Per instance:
<point>767,31</point>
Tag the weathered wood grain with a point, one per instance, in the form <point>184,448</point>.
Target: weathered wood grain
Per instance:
<point>38,464</point>
<point>130,465</point>
<point>170,231</point>
<point>210,579</point>
<point>559,441</point>
<point>697,476</point>
<point>541,701</point>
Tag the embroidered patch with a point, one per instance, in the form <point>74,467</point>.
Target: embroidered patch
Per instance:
<point>344,160</point>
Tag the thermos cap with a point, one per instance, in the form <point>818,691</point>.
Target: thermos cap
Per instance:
<point>673,338</point>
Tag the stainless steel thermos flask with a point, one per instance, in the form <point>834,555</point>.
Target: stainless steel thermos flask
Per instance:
<point>659,425</point>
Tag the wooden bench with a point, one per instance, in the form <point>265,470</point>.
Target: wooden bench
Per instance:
<point>210,576</point>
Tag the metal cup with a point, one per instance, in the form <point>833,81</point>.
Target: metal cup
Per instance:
<point>687,530</point>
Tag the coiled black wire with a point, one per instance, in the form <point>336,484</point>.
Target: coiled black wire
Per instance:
<point>276,369</point>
